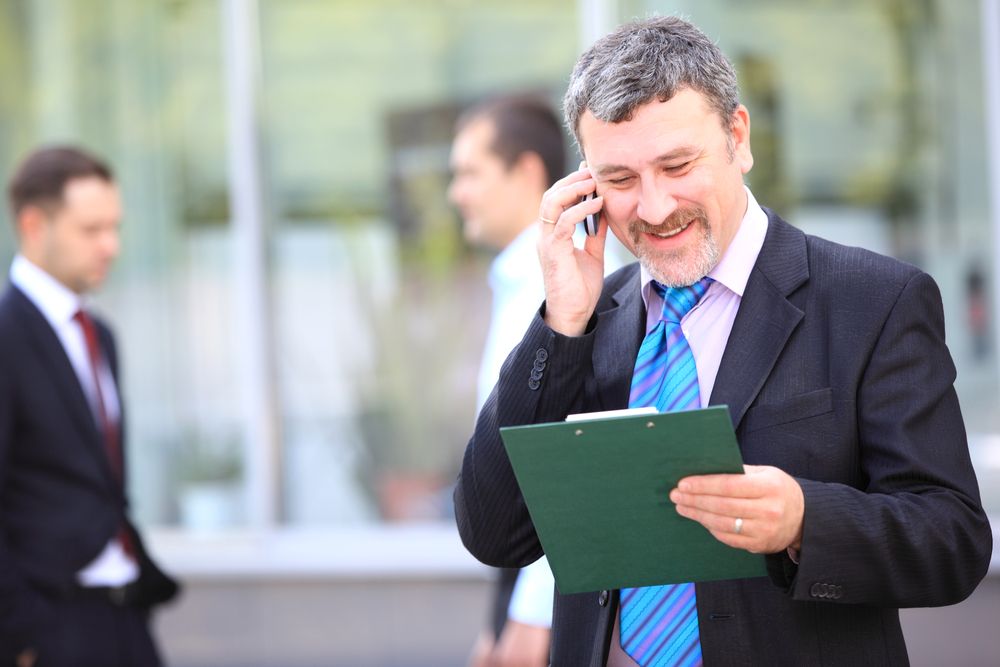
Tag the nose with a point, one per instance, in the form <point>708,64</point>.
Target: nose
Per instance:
<point>655,201</point>
<point>112,244</point>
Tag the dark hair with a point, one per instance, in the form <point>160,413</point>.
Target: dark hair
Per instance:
<point>41,178</point>
<point>646,60</point>
<point>523,123</point>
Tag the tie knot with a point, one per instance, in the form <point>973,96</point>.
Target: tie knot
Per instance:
<point>677,301</point>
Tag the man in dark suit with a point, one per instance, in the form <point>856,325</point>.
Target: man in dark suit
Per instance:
<point>76,583</point>
<point>858,487</point>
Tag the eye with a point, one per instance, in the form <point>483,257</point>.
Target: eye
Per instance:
<point>619,180</point>
<point>678,168</point>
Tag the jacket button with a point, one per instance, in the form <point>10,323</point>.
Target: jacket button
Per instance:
<point>815,591</point>
<point>541,354</point>
<point>539,365</point>
<point>602,599</point>
<point>536,374</point>
<point>533,385</point>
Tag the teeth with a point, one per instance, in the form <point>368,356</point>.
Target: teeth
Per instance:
<point>675,232</point>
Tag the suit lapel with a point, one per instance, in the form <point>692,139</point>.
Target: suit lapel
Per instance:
<point>53,355</point>
<point>617,342</point>
<point>765,320</point>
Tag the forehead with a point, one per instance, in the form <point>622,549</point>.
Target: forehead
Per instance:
<point>92,197</point>
<point>685,121</point>
<point>474,140</point>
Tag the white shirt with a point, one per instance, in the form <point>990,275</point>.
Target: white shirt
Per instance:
<point>58,304</point>
<point>515,280</point>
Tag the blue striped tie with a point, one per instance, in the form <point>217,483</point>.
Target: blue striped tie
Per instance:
<point>659,624</point>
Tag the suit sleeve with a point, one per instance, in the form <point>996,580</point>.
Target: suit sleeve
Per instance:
<point>542,380</point>
<point>914,533</point>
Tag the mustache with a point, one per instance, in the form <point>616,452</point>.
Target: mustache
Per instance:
<point>679,218</point>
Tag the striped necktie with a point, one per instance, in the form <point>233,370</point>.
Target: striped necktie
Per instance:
<point>659,624</point>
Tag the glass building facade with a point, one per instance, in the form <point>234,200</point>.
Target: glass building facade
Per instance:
<point>299,319</point>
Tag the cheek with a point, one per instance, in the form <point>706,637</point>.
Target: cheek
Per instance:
<point>619,207</point>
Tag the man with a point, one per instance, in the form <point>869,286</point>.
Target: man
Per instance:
<point>505,155</point>
<point>831,360</point>
<point>76,582</point>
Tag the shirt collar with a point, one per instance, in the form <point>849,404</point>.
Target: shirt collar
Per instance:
<point>57,302</point>
<point>733,270</point>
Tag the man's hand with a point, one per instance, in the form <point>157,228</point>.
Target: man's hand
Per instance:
<point>768,501</point>
<point>573,276</point>
<point>482,650</point>
<point>522,645</point>
<point>26,658</point>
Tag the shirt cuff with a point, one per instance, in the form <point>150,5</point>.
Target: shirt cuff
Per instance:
<point>531,601</point>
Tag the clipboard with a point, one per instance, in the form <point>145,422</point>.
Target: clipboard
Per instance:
<point>597,492</point>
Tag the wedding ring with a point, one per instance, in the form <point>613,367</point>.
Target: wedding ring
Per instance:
<point>547,221</point>
<point>738,527</point>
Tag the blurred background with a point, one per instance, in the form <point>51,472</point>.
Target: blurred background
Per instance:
<point>301,322</point>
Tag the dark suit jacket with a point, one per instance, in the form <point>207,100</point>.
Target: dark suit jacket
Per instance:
<point>836,371</point>
<point>60,503</point>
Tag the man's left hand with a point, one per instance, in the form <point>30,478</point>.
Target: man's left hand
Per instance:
<point>760,511</point>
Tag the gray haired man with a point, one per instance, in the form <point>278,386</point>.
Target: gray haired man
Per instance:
<point>858,488</point>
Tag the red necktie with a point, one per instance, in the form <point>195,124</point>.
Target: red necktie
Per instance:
<point>108,427</point>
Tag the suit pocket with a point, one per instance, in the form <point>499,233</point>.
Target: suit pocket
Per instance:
<point>796,408</point>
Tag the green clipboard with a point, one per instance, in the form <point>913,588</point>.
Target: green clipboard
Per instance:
<point>597,491</point>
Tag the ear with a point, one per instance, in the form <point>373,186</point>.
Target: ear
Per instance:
<point>31,222</point>
<point>740,136</point>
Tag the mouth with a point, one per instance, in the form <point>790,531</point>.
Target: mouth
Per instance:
<point>672,232</point>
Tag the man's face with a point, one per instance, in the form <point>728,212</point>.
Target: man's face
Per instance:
<point>672,182</point>
<point>486,192</point>
<point>78,242</point>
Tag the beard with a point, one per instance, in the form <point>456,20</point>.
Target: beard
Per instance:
<point>683,266</point>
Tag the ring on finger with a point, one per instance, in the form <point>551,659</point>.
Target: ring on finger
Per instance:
<point>738,526</point>
<point>547,221</point>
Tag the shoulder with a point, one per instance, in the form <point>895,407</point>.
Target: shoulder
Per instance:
<point>842,270</point>
<point>15,330</point>
<point>13,310</point>
<point>849,263</point>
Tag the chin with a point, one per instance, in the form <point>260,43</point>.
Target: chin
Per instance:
<point>680,269</point>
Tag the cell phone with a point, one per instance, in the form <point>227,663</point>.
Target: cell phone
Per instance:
<point>593,220</point>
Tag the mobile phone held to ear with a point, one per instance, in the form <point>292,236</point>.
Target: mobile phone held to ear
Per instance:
<point>593,220</point>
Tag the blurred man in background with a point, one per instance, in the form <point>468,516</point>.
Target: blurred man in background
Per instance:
<point>76,583</point>
<point>506,154</point>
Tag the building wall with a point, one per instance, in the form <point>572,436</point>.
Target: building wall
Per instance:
<point>418,622</point>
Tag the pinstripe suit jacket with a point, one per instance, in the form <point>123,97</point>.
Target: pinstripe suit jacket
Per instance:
<point>836,371</point>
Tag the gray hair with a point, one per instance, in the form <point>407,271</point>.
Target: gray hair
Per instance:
<point>646,60</point>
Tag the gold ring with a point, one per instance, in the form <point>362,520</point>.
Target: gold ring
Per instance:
<point>547,221</point>
<point>738,528</point>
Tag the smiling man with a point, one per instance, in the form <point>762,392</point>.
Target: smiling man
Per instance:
<point>858,487</point>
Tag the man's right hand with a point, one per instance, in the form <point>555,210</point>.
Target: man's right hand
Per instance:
<point>573,276</point>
